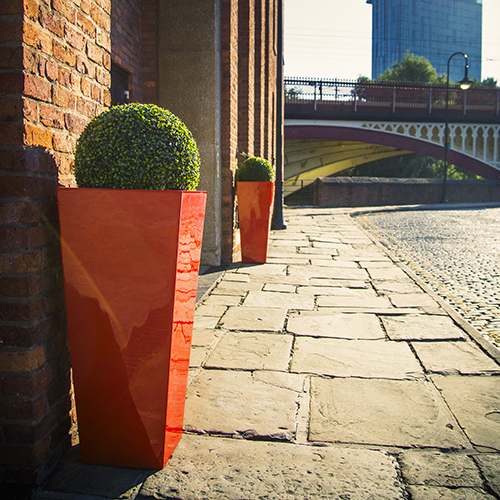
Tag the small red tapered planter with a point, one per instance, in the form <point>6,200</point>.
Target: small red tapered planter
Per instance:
<point>255,200</point>
<point>131,261</point>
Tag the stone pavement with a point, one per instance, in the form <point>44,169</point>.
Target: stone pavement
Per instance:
<point>328,372</point>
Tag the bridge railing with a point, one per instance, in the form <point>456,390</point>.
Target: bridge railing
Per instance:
<point>355,96</point>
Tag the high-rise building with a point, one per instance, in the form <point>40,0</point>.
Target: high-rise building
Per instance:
<point>434,29</point>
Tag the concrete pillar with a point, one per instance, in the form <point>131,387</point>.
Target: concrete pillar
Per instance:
<point>189,86</point>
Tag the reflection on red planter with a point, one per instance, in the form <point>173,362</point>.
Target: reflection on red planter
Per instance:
<point>131,261</point>
<point>255,200</point>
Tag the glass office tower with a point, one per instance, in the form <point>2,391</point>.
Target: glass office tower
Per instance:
<point>434,29</point>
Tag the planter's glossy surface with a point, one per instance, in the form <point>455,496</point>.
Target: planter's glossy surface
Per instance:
<point>254,210</point>
<point>131,261</point>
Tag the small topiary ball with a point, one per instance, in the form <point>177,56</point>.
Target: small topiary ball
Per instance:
<point>255,169</point>
<point>137,146</point>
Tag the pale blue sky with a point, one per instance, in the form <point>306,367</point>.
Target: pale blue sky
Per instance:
<point>332,38</point>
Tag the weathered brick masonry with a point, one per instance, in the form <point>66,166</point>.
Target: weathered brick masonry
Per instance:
<point>249,72</point>
<point>55,63</point>
<point>374,191</point>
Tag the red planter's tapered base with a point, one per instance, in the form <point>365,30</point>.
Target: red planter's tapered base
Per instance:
<point>254,210</point>
<point>131,261</point>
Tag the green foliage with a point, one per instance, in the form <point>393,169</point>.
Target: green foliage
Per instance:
<point>137,146</point>
<point>489,82</point>
<point>255,169</point>
<point>412,166</point>
<point>411,69</point>
<point>419,69</point>
<point>293,93</point>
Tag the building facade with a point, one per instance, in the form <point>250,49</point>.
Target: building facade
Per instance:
<point>434,29</point>
<point>213,63</point>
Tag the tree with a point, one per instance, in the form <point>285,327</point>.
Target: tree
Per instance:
<point>407,166</point>
<point>489,82</point>
<point>411,69</point>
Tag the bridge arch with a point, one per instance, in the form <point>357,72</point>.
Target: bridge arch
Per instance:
<point>319,148</point>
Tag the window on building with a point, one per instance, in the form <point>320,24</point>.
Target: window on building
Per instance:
<point>119,85</point>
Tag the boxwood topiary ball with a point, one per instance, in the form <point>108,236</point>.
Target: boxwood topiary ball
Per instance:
<point>255,169</point>
<point>137,146</point>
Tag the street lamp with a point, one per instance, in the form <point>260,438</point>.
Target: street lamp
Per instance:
<point>465,84</point>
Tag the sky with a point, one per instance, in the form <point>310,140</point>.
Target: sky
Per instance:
<point>332,39</point>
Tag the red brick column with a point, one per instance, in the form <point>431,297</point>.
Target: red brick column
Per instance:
<point>260,75</point>
<point>269,106</point>
<point>56,77</point>
<point>229,123</point>
<point>246,76</point>
<point>150,20</point>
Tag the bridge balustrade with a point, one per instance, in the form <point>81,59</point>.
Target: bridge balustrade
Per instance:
<point>354,96</point>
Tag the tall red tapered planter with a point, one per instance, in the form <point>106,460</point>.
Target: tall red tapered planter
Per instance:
<point>255,199</point>
<point>131,261</point>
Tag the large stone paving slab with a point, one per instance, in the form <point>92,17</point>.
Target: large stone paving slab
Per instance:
<point>338,291</point>
<point>251,351</point>
<point>490,468</point>
<point>455,357</point>
<point>394,274</point>
<point>230,469</point>
<point>389,287</point>
<point>231,402</point>
<point>226,287</point>
<point>261,271</point>
<point>359,301</point>
<point>327,282</point>
<point>441,493</point>
<point>422,327</point>
<point>346,326</point>
<point>340,273</point>
<point>381,412</point>
<point>75,480</point>
<point>475,401</point>
<point>435,468</point>
<point>354,358</point>
<point>254,319</point>
<point>279,300</point>
<point>329,262</point>
<point>418,299</point>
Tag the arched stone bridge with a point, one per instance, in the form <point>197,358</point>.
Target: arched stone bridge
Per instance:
<point>328,133</point>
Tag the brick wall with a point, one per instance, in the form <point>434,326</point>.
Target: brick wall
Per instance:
<point>229,123</point>
<point>246,76</point>
<point>134,46</point>
<point>150,17</point>
<point>374,191</point>
<point>270,104</point>
<point>55,62</point>
<point>260,76</point>
<point>55,59</point>
<point>249,71</point>
<point>126,42</point>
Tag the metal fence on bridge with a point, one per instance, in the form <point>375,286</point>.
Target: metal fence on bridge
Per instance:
<point>359,96</point>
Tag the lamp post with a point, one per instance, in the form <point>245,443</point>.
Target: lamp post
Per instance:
<point>465,84</point>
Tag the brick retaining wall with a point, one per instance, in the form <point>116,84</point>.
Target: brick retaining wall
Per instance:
<point>55,63</point>
<point>374,191</point>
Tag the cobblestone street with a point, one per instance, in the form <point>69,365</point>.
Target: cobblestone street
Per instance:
<point>456,252</point>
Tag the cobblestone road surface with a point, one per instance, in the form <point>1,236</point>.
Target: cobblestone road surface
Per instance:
<point>456,252</point>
